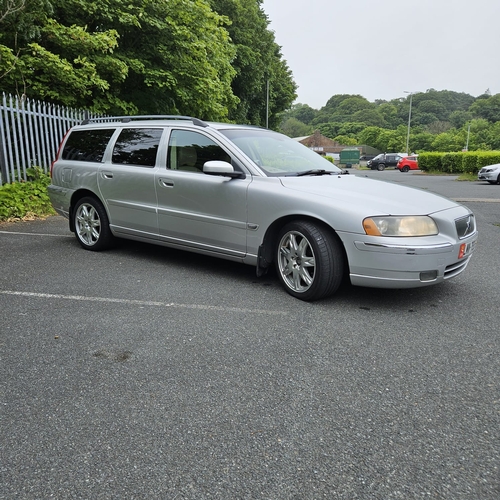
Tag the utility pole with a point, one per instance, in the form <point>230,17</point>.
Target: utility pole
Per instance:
<point>409,121</point>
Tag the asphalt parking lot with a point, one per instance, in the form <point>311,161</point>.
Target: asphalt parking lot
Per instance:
<point>145,372</point>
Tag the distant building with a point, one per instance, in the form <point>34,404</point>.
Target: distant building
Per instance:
<point>321,144</point>
<point>328,147</point>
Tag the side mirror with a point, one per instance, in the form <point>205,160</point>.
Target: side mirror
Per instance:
<point>218,167</point>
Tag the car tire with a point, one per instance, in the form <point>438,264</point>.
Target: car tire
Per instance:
<point>380,167</point>
<point>91,224</point>
<point>309,260</point>
<point>406,168</point>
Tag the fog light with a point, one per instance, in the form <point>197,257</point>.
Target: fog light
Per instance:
<point>428,276</point>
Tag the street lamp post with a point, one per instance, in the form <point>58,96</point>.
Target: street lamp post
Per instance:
<point>409,122</point>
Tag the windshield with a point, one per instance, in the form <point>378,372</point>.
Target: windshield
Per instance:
<point>278,155</point>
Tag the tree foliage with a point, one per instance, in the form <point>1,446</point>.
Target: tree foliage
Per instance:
<point>440,120</point>
<point>258,63</point>
<point>205,58</point>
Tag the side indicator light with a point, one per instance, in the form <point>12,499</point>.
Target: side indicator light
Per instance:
<point>461,252</point>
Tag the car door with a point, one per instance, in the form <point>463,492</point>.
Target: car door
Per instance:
<point>198,210</point>
<point>127,182</point>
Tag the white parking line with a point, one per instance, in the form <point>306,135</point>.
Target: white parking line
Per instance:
<point>142,303</point>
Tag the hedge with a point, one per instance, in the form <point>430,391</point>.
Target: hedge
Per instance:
<point>457,163</point>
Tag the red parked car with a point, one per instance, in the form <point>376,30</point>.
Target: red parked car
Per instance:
<point>408,163</point>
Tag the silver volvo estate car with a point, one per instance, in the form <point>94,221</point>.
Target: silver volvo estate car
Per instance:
<point>254,196</point>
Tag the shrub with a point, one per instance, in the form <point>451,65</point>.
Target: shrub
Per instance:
<point>22,199</point>
<point>429,161</point>
<point>452,163</point>
<point>489,158</point>
<point>470,163</point>
<point>457,163</point>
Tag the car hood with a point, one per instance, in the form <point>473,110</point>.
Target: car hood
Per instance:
<point>377,197</point>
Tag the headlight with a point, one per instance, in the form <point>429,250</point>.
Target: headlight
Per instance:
<point>400,226</point>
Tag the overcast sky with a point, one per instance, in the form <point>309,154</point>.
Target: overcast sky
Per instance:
<point>380,48</point>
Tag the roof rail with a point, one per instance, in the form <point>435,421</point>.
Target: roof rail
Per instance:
<point>126,119</point>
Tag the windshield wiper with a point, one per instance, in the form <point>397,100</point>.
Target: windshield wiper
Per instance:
<point>315,171</point>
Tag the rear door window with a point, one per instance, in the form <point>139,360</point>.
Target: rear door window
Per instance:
<point>137,146</point>
<point>87,145</point>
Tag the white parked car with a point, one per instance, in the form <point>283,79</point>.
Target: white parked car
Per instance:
<point>491,173</point>
<point>254,196</point>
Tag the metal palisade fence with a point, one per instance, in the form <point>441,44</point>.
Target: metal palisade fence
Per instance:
<point>30,134</point>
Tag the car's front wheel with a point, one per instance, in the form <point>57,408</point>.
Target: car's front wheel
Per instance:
<point>91,224</point>
<point>406,168</point>
<point>309,260</point>
<point>380,167</point>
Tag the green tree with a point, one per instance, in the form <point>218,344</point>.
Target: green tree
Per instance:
<point>487,108</point>
<point>369,117</point>
<point>389,112</point>
<point>450,141</point>
<point>258,63</point>
<point>346,140</point>
<point>329,130</point>
<point>145,56</point>
<point>177,52</point>
<point>421,141</point>
<point>424,118</point>
<point>295,128</point>
<point>341,108</point>
<point>370,136</point>
<point>432,106</point>
<point>303,113</point>
<point>10,7</point>
<point>459,118</point>
<point>29,65</point>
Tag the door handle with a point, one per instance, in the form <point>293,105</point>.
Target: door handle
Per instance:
<point>107,175</point>
<point>169,183</point>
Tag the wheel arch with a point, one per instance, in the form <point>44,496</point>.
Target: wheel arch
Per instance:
<point>75,198</point>
<point>266,254</point>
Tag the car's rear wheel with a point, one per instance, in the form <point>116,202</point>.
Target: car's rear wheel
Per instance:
<point>309,260</point>
<point>381,167</point>
<point>92,224</point>
<point>406,168</point>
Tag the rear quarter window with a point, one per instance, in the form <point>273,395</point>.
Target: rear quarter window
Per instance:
<point>87,145</point>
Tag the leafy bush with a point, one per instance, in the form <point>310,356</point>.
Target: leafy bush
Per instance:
<point>488,158</point>
<point>457,163</point>
<point>470,162</point>
<point>451,163</point>
<point>429,161</point>
<point>22,199</point>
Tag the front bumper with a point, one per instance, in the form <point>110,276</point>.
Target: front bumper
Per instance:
<point>488,176</point>
<point>399,265</point>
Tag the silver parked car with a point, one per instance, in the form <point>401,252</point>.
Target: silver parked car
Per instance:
<point>254,196</point>
<point>491,173</point>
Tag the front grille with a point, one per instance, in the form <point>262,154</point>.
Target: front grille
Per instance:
<point>465,226</point>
